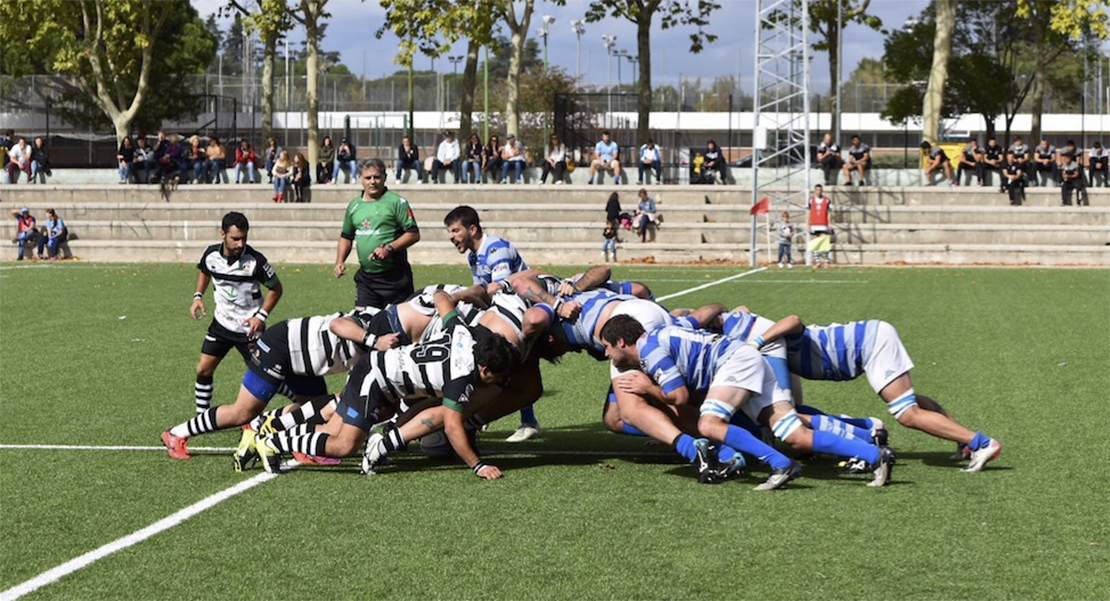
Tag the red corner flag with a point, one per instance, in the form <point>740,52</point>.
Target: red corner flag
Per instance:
<point>763,206</point>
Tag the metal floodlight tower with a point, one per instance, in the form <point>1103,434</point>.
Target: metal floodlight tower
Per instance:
<point>781,132</point>
<point>609,41</point>
<point>578,26</point>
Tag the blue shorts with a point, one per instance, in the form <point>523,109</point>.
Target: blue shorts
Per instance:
<point>263,386</point>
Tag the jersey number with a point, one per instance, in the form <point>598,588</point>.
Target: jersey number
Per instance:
<point>430,354</point>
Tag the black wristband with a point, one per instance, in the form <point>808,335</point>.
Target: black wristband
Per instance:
<point>481,465</point>
<point>198,295</point>
<point>369,340</point>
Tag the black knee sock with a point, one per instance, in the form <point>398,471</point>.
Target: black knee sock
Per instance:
<point>203,389</point>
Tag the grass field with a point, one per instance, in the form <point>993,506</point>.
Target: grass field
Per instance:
<point>103,355</point>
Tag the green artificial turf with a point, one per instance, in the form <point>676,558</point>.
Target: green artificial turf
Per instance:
<point>105,355</point>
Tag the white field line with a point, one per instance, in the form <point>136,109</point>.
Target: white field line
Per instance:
<point>73,447</point>
<point>646,281</point>
<point>502,452</point>
<point>138,536</point>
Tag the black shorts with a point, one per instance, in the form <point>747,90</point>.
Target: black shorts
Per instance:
<point>271,365</point>
<point>363,411</point>
<point>380,289</point>
<point>219,340</point>
<point>388,322</point>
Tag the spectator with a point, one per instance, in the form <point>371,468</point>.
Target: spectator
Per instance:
<point>820,224</point>
<point>198,160</point>
<point>828,156</point>
<point>936,160</point>
<point>859,160</point>
<point>512,155</point>
<point>273,151</point>
<point>1072,175</point>
<point>346,158</point>
<point>173,157</point>
<point>698,167</point>
<point>142,166</point>
<point>6,144</point>
<point>607,157</point>
<point>217,162</point>
<point>19,159</point>
<point>554,160</point>
<point>1021,156</point>
<point>645,213</point>
<point>40,162</point>
<point>125,157</point>
<point>650,160</point>
<point>283,168</point>
<point>302,178</point>
<point>1013,179</point>
<point>161,149</point>
<point>1044,164</point>
<point>447,157</point>
<point>1097,160</point>
<point>408,157</point>
<point>244,161</point>
<point>325,168</point>
<point>611,240</point>
<point>25,224</point>
<point>491,158</point>
<point>971,160</point>
<point>994,159</point>
<point>714,166</point>
<point>474,159</point>
<point>613,208</point>
<point>56,234</point>
<point>785,230</point>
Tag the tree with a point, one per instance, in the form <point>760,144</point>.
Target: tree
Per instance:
<point>213,28</point>
<point>270,18</point>
<point>673,13</point>
<point>938,74</point>
<point>476,19</point>
<point>419,25</point>
<point>234,47</point>
<point>310,13</point>
<point>518,31</point>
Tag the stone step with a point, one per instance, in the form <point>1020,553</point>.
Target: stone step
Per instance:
<point>577,253</point>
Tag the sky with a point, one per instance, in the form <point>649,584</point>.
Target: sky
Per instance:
<point>353,24</point>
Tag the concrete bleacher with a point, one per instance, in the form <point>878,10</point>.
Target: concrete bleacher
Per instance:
<point>875,225</point>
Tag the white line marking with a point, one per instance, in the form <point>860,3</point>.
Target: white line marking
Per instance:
<point>769,281</point>
<point>710,284</point>
<point>73,447</point>
<point>550,452</point>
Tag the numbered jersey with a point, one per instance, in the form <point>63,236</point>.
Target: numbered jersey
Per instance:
<point>315,351</point>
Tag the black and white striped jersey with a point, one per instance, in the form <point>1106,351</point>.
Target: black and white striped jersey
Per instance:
<point>315,351</point>
<point>424,303</point>
<point>237,284</point>
<point>510,307</point>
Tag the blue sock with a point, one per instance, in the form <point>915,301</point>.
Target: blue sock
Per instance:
<point>739,419</point>
<point>859,422</point>
<point>825,423</point>
<point>684,445</point>
<point>781,370</point>
<point>807,410</point>
<point>831,444</point>
<point>528,417</point>
<point>742,440</point>
<point>631,430</point>
<point>978,442</point>
<point>726,453</point>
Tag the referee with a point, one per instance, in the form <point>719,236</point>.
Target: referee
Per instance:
<point>381,223</point>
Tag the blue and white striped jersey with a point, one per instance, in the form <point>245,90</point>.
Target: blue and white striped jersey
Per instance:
<point>674,356</point>
<point>580,334</point>
<point>745,326</point>
<point>495,260</point>
<point>832,352</point>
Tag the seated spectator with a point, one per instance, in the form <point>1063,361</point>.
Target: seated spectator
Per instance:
<point>644,214</point>
<point>40,162</point>
<point>554,160</point>
<point>491,158</point>
<point>714,166</point>
<point>19,159</point>
<point>994,159</point>
<point>474,159</point>
<point>124,157</point>
<point>346,159</point>
<point>447,157</point>
<point>56,234</point>
<point>25,229</point>
<point>859,161</point>
<point>283,168</point>
<point>971,161</point>
<point>174,158</point>
<point>273,151</point>
<point>302,179</point>
<point>1097,160</point>
<point>1021,156</point>
<point>607,157</point>
<point>1071,175</point>
<point>6,144</point>
<point>217,162</point>
<point>936,160</point>
<point>697,168</point>
<point>244,161</point>
<point>325,168</point>
<point>197,156</point>
<point>650,160</point>
<point>1044,164</point>
<point>828,156</point>
<point>161,148</point>
<point>142,166</point>
<point>1013,179</point>
<point>408,157</point>
<point>512,155</point>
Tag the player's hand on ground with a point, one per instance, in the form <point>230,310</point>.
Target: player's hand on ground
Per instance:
<point>255,327</point>
<point>567,288</point>
<point>197,310</point>
<point>570,310</point>
<point>387,341</point>
<point>490,472</point>
<point>340,269</point>
<point>635,382</point>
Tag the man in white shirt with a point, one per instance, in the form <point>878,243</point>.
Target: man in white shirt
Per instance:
<point>19,159</point>
<point>650,160</point>
<point>512,156</point>
<point>447,157</point>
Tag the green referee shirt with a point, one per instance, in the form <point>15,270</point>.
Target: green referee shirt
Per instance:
<point>372,223</point>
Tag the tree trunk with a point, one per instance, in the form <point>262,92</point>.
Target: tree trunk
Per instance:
<point>938,75</point>
<point>1040,24</point>
<point>312,101</point>
<point>519,32</point>
<point>833,38</point>
<point>269,40</point>
<point>412,107</point>
<point>466,96</point>
<point>643,87</point>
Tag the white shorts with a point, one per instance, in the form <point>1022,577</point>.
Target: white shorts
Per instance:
<point>650,315</point>
<point>746,368</point>
<point>888,359</point>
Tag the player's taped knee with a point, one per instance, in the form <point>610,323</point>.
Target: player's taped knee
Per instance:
<point>718,409</point>
<point>902,404</point>
<point>787,425</point>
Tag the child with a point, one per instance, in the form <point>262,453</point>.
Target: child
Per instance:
<point>282,168</point>
<point>786,240</point>
<point>610,240</point>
